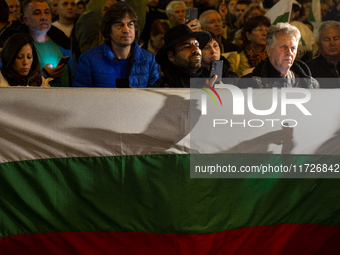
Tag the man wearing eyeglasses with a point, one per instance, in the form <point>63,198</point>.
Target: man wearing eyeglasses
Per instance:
<point>119,61</point>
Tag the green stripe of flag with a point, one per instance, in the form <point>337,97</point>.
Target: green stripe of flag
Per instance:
<point>154,193</point>
<point>282,18</point>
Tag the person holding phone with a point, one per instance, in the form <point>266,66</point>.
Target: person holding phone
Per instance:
<point>212,52</point>
<point>20,64</point>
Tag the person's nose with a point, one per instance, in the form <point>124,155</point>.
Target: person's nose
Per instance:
<point>332,42</point>
<point>24,61</point>
<point>125,28</point>
<point>289,52</point>
<point>195,49</point>
<point>44,16</point>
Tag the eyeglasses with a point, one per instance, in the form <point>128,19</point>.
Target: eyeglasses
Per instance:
<point>260,30</point>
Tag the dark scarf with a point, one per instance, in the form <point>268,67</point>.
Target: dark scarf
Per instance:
<point>254,58</point>
<point>15,79</point>
<point>177,77</point>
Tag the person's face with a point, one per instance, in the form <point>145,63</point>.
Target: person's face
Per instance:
<point>38,17</point>
<point>329,42</point>
<point>258,35</point>
<point>214,24</point>
<point>123,32</point>
<point>80,8</point>
<point>23,61</point>
<point>283,53</point>
<point>189,3</point>
<point>14,7</point>
<point>152,3</point>
<point>54,8</point>
<point>232,6</point>
<point>108,5</point>
<point>210,52</point>
<point>157,41</point>
<point>187,55</point>
<point>178,16</point>
<point>240,10</point>
<point>67,9</point>
<point>324,9</point>
<point>254,12</point>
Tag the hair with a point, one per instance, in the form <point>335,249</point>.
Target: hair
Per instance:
<point>159,27</point>
<point>251,7</point>
<point>116,12</point>
<point>82,3</point>
<point>250,25</point>
<point>203,17</point>
<point>242,2</point>
<point>283,28</point>
<point>173,5</point>
<point>4,11</point>
<point>27,2</point>
<point>326,25</point>
<point>8,55</point>
<point>214,37</point>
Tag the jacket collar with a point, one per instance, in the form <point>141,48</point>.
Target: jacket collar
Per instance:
<point>136,52</point>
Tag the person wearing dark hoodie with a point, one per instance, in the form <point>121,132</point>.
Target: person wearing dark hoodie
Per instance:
<point>280,69</point>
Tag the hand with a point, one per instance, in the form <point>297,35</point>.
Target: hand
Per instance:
<point>194,28</point>
<point>212,81</point>
<point>54,72</point>
<point>46,83</point>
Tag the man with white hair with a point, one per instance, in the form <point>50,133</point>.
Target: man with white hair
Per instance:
<point>281,66</point>
<point>327,64</point>
<point>176,12</point>
<point>211,21</point>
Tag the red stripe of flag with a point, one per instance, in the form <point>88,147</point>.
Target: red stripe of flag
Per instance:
<point>276,239</point>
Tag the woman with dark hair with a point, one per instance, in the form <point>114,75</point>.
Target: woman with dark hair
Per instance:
<point>157,32</point>
<point>212,51</point>
<point>253,50</point>
<point>20,64</point>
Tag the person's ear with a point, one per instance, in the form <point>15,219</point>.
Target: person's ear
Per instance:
<point>268,50</point>
<point>25,20</point>
<point>171,56</point>
<point>248,35</point>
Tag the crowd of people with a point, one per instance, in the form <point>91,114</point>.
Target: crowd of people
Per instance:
<point>151,43</point>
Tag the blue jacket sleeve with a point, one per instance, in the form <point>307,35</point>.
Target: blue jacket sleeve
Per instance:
<point>154,72</point>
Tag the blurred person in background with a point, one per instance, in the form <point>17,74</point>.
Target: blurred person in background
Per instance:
<point>156,41</point>
<point>176,14</point>
<point>326,65</point>
<point>67,16</point>
<point>81,7</point>
<point>211,21</point>
<point>14,7</point>
<point>20,64</point>
<point>53,4</point>
<point>253,50</point>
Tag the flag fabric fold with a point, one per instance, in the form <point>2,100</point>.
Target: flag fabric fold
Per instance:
<point>102,171</point>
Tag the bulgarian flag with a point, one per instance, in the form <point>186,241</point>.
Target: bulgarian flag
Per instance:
<point>315,12</point>
<point>107,171</point>
<point>280,12</point>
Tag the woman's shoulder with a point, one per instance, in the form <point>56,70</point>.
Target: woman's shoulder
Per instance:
<point>3,81</point>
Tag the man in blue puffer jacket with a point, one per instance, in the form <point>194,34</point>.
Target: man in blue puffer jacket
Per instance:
<point>119,62</point>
